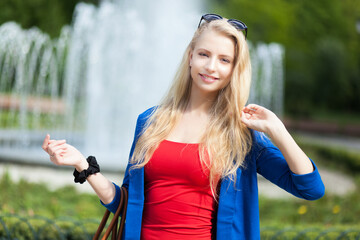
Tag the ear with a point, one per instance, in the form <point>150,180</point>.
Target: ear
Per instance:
<point>190,58</point>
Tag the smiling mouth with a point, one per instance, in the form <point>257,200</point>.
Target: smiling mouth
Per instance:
<point>208,78</point>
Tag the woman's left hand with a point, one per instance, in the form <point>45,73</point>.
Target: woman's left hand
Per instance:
<point>259,118</point>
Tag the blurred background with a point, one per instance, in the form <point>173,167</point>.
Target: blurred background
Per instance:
<point>84,70</point>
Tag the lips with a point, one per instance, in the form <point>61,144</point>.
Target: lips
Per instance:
<point>207,78</point>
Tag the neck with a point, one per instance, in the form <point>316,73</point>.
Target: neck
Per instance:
<point>200,102</point>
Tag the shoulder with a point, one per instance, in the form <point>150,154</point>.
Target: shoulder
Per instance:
<point>147,113</point>
<point>144,116</point>
<point>142,121</point>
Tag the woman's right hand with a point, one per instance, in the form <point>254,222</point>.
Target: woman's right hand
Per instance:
<point>62,153</point>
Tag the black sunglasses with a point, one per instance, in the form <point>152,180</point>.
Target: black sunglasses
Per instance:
<point>239,25</point>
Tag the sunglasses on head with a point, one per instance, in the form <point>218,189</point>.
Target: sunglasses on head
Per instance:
<point>239,25</point>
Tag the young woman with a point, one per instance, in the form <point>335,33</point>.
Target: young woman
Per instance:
<point>193,166</point>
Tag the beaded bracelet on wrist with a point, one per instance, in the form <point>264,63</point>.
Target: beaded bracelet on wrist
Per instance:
<point>80,177</point>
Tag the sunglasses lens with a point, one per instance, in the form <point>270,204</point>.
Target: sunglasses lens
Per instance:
<point>236,23</point>
<point>211,17</point>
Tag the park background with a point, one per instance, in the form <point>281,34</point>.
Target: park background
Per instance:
<point>321,98</point>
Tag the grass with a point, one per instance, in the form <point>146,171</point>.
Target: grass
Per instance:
<point>29,199</point>
<point>328,211</point>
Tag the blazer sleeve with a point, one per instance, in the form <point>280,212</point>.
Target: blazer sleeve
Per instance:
<point>272,165</point>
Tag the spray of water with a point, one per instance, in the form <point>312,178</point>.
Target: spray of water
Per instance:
<point>88,85</point>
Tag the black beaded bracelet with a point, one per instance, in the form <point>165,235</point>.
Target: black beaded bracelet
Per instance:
<point>80,177</point>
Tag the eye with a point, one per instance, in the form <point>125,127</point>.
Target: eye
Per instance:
<point>203,54</point>
<point>225,60</point>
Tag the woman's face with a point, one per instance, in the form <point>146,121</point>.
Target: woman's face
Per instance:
<point>212,62</point>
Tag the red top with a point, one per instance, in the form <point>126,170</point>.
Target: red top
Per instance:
<point>178,199</point>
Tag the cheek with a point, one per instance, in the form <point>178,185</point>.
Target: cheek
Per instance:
<point>192,71</point>
<point>226,72</point>
<point>194,67</point>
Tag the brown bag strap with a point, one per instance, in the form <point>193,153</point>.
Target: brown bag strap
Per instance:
<point>123,216</point>
<point>113,226</point>
<point>102,225</point>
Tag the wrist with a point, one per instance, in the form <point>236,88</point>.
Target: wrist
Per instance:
<point>93,167</point>
<point>83,164</point>
<point>275,131</point>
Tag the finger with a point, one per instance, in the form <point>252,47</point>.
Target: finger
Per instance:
<point>244,119</point>
<point>56,143</point>
<point>252,108</point>
<point>247,114</point>
<point>249,110</point>
<point>46,142</point>
<point>59,153</point>
<point>57,159</point>
<point>253,105</point>
<point>53,150</point>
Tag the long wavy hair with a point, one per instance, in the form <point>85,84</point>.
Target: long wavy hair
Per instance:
<point>227,140</point>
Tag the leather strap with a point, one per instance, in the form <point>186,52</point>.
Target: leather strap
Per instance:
<point>113,228</point>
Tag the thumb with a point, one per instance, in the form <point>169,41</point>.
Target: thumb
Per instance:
<point>46,142</point>
<point>244,119</point>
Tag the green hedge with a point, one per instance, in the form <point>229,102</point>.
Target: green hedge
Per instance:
<point>37,227</point>
<point>335,157</point>
<point>16,227</point>
<point>304,233</point>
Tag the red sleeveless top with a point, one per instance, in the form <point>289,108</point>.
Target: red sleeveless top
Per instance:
<point>178,199</point>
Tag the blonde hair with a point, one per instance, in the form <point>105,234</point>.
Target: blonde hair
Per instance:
<point>227,141</point>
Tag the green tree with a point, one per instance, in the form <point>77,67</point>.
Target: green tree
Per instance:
<point>49,16</point>
<point>322,62</point>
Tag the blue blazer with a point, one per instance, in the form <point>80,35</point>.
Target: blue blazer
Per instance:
<point>238,209</point>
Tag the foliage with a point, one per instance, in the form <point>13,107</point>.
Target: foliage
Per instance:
<point>329,211</point>
<point>322,48</point>
<point>37,227</point>
<point>309,232</point>
<point>339,117</point>
<point>49,16</point>
<point>17,227</point>
<point>28,199</point>
<point>11,120</point>
<point>332,156</point>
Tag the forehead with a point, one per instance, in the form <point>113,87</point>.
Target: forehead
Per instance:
<point>216,42</point>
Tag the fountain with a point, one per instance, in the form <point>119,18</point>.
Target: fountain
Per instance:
<point>267,76</point>
<point>89,85</point>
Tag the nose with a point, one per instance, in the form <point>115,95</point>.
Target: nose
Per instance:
<point>211,65</point>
